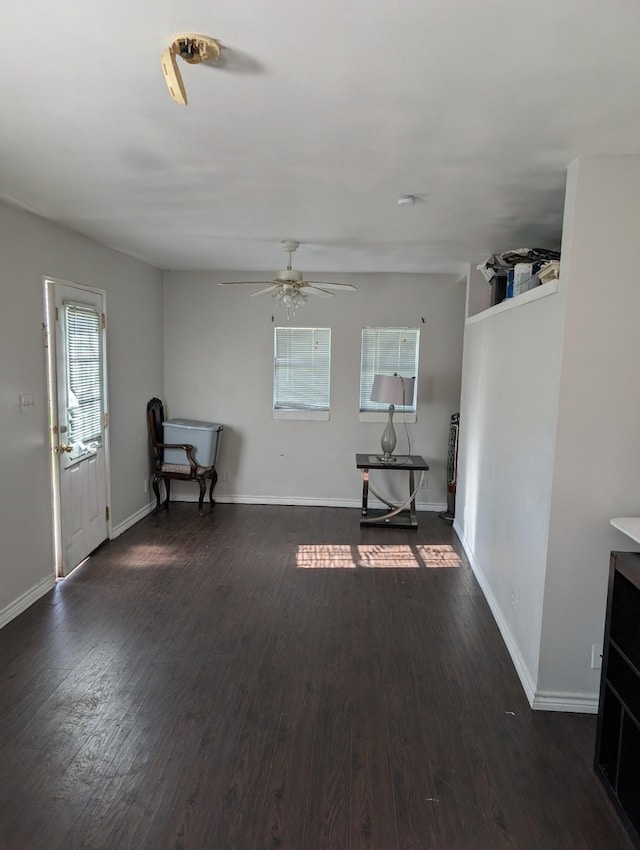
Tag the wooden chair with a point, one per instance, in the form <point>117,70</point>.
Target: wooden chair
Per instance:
<point>168,472</point>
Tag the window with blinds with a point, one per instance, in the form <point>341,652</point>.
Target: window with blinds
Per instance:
<point>302,371</point>
<point>387,351</point>
<point>83,332</point>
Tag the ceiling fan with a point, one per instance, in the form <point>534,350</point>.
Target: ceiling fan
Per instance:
<point>288,286</point>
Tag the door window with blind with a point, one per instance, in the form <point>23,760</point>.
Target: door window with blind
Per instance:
<point>388,351</point>
<point>301,373</point>
<point>83,344</point>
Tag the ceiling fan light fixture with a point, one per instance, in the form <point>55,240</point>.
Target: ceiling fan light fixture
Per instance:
<point>289,274</point>
<point>291,298</point>
<point>289,288</point>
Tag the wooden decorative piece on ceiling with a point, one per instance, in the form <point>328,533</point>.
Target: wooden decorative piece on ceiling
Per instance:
<point>193,48</point>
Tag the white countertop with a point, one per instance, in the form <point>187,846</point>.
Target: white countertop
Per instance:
<point>629,525</point>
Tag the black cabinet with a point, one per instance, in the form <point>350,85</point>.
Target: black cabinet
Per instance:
<point>617,758</point>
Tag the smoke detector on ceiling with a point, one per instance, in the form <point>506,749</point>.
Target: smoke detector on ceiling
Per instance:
<point>406,200</point>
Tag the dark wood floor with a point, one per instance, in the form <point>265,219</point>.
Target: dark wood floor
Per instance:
<point>271,677</point>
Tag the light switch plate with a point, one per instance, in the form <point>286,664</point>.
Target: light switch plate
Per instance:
<point>27,403</point>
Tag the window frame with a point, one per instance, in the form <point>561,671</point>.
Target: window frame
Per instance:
<point>83,341</point>
<point>409,413</point>
<point>282,411</point>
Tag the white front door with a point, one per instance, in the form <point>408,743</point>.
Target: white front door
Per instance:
<point>79,406</point>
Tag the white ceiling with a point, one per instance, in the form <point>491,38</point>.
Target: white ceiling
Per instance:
<point>320,114</point>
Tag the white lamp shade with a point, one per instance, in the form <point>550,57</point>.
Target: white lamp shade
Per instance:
<point>392,389</point>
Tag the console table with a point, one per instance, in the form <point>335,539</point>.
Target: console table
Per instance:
<point>400,516</point>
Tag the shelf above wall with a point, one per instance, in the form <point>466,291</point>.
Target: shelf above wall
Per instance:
<point>541,291</point>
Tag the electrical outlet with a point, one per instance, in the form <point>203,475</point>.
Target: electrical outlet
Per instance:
<point>145,485</point>
<point>226,476</point>
<point>596,656</point>
<point>514,599</point>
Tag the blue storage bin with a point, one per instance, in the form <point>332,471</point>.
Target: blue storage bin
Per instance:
<point>203,436</point>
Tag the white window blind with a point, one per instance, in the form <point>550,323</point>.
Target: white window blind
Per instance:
<point>301,376</point>
<point>386,351</point>
<point>84,368</point>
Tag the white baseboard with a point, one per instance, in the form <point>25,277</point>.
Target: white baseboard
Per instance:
<point>281,500</point>
<point>119,529</point>
<point>437,507</point>
<point>300,500</point>
<point>573,702</point>
<point>23,602</point>
<point>524,674</point>
<point>579,703</point>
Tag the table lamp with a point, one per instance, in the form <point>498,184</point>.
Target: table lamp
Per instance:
<point>391,390</point>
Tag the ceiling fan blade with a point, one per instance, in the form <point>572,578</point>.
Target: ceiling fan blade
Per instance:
<point>330,285</point>
<point>243,282</point>
<point>315,290</point>
<point>262,291</point>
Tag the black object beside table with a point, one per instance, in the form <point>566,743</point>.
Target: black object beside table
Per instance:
<point>398,516</point>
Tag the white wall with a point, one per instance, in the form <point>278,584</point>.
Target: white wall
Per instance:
<point>219,363</point>
<point>31,248</point>
<point>549,440</point>
<point>597,470</point>
<point>511,375</point>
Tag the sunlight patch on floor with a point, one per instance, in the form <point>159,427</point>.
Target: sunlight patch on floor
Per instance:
<point>139,555</point>
<point>379,557</point>
<point>387,557</point>
<point>325,558</point>
<point>438,557</point>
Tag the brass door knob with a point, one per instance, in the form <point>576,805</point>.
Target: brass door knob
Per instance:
<point>64,448</point>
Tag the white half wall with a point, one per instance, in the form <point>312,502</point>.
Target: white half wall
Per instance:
<point>32,248</point>
<point>550,417</point>
<point>597,469</point>
<point>511,376</point>
<point>219,367</point>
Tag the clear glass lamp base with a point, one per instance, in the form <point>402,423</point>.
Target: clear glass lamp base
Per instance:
<point>388,440</point>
